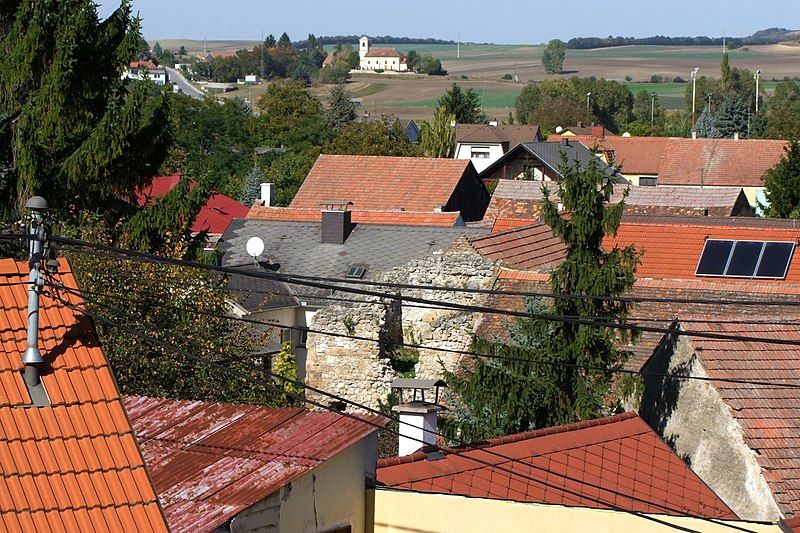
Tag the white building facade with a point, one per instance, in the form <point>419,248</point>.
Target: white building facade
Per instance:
<point>379,58</point>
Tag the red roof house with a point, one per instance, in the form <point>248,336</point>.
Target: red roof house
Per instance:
<point>213,217</point>
<point>71,464</point>
<point>617,462</point>
<point>380,183</point>
<point>257,466</point>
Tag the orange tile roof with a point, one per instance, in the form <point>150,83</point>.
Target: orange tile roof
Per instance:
<point>672,247</point>
<point>725,162</point>
<point>393,218</point>
<point>531,247</point>
<point>510,135</point>
<point>383,51</point>
<point>73,465</point>
<point>617,462</point>
<point>503,224</point>
<point>380,183</point>
<point>769,417</point>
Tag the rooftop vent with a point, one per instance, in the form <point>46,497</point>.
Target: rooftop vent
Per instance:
<point>356,272</point>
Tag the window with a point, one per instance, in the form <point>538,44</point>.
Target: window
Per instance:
<point>648,181</point>
<point>356,271</point>
<point>745,259</point>
<point>479,152</point>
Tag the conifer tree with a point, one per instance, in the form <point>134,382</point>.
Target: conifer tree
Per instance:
<point>707,125</point>
<point>252,185</point>
<point>69,129</point>
<point>725,70</point>
<point>733,117</point>
<point>555,372</point>
<point>341,108</point>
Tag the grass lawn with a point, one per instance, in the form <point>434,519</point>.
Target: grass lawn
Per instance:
<point>491,97</point>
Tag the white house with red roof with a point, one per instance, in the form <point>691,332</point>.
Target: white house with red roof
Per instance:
<point>374,58</point>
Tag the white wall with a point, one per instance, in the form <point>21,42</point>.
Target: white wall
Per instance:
<point>464,151</point>
<point>385,63</point>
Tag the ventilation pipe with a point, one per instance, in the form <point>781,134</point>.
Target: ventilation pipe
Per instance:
<point>32,357</point>
<point>268,194</point>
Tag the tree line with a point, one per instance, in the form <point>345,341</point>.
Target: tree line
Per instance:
<point>768,36</point>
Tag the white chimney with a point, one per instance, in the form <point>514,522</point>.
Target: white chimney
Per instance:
<point>418,417</point>
<point>694,135</point>
<point>736,136</point>
<point>493,123</point>
<point>452,123</point>
<point>268,194</point>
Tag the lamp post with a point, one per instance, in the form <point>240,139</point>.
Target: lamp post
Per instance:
<point>587,101</point>
<point>709,96</point>
<point>652,108</point>
<point>757,76</point>
<point>694,94</point>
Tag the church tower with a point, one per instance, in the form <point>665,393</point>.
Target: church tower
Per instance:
<point>363,46</point>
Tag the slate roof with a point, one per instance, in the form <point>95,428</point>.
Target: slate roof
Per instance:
<point>211,461</point>
<point>508,135</point>
<point>681,197</point>
<point>609,463</point>
<point>549,153</point>
<point>213,217</point>
<point>380,183</point>
<point>72,465</point>
<point>398,218</point>
<point>769,417</point>
<point>297,248</point>
<point>719,162</point>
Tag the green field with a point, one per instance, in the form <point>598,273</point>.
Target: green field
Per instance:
<point>673,95</point>
<point>491,97</point>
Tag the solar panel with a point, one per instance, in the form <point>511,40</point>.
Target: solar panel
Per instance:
<point>714,258</point>
<point>745,259</point>
<point>775,260</point>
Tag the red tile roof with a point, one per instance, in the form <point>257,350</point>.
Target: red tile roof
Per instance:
<point>211,461</point>
<point>510,135</point>
<point>769,417</point>
<point>395,218</point>
<point>383,52</point>
<point>503,224</point>
<point>380,183</point>
<point>724,162</point>
<point>610,463</point>
<point>636,155</point>
<point>213,217</point>
<point>73,465</point>
<point>672,247</point>
<point>531,247</point>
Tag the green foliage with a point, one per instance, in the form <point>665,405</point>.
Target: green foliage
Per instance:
<point>646,106</point>
<point>157,51</point>
<point>372,137</point>
<point>559,369</point>
<point>69,130</point>
<point>706,126</point>
<point>286,367</point>
<point>341,107</point>
<point>725,71</point>
<point>553,56</point>
<point>782,183</point>
<point>288,171</point>
<point>465,105</point>
<point>705,86</point>
<point>677,124</point>
<point>437,138</point>
<point>733,117</point>
<point>251,190</point>
<point>337,73</point>
<point>284,41</point>
<point>783,112</point>
<point>290,116</point>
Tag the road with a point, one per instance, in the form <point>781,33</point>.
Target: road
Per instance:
<point>183,84</point>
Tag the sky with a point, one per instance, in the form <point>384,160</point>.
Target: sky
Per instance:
<point>532,21</point>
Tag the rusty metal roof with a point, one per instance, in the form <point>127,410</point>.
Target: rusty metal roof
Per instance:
<point>211,461</point>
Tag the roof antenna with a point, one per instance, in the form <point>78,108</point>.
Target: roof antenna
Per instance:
<point>32,357</point>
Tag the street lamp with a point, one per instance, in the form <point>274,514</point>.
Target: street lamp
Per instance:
<point>652,108</point>
<point>709,96</point>
<point>757,76</point>
<point>587,101</point>
<point>694,94</point>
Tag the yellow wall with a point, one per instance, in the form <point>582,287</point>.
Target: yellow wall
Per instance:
<point>411,512</point>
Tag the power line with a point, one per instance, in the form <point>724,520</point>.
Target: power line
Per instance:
<point>451,451</point>
<point>759,383</point>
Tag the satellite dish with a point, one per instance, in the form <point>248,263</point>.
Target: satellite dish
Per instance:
<point>626,134</point>
<point>255,247</point>
<point>559,129</point>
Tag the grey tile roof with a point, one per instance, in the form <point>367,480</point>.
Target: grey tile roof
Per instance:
<point>296,247</point>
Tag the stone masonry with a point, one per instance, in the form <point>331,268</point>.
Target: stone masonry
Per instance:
<point>361,370</point>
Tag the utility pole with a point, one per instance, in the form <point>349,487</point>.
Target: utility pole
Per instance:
<point>458,46</point>
<point>709,96</point>
<point>588,95</point>
<point>652,109</point>
<point>694,96</point>
<point>32,357</point>
<point>757,76</point>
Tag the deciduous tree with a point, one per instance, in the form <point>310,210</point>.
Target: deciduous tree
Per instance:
<point>437,138</point>
<point>782,183</point>
<point>783,111</point>
<point>553,56</point>
<point>372,137</point>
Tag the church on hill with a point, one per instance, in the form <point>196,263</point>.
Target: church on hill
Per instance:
<point>374,58</point>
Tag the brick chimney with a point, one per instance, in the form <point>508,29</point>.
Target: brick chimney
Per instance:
<point>336,221</point>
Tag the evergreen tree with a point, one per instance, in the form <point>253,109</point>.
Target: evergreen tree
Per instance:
<point>269,42</point>
<point>706,126</point>
<point>252,186</point>
<point>69,130</point>
<point>286,367</point>
<point>437,138</point>
<point>553,56</point>
<point>782,183</point>
<point>725,69</point>
<point>284,41</point>
<point>157,51</point>
<point>465,105</point>
<point>733,117</point>
<point>556,372</point>
<point>341,108</point>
